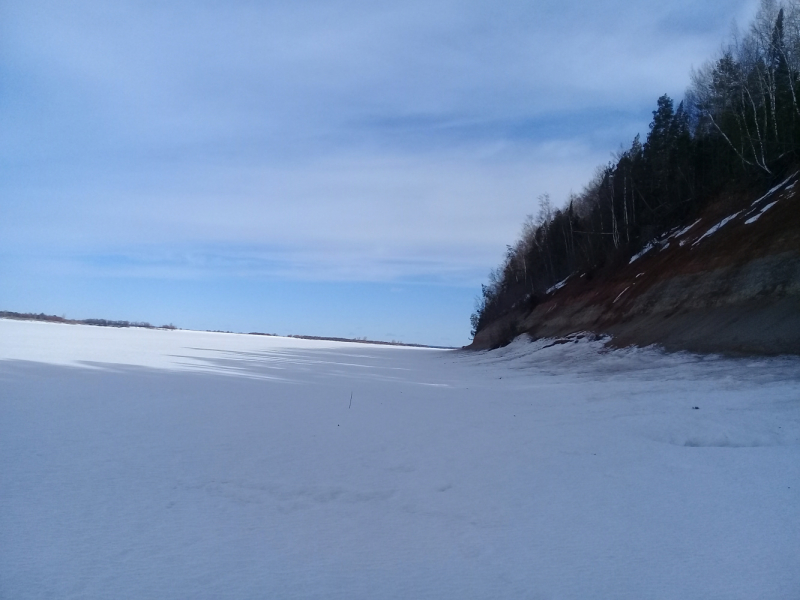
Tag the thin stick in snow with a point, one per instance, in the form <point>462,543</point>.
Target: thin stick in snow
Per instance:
<point>351,400</point>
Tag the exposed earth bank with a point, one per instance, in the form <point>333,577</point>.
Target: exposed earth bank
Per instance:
<point>729,282</point>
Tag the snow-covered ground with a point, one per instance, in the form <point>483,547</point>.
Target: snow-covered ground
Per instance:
<point>172,464</point>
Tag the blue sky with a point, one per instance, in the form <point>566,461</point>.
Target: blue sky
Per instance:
<point>348,168</point>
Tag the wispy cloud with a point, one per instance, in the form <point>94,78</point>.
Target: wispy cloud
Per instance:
<point>320,139</point>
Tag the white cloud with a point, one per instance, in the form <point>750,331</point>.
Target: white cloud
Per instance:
<point>406,139</point>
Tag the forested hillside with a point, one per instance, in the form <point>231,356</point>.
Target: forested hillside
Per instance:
<point>737,130</point>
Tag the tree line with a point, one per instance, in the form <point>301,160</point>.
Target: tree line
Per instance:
<point>7,314</point>
<point>738,123</point>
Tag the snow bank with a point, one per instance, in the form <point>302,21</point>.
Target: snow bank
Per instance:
<point>649,246</point>
<point>761,212</point>
<point>772,190</point>
<point>684,231</point>
<point>717,227</point>
<point>662,241</point>
<point>142,464</point>
<point>775,188</point>
<point>558,286</point>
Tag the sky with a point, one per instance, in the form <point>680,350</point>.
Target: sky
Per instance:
<point>338,168</point>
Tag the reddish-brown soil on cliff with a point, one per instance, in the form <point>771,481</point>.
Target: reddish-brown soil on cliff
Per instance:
<point>729,282</point>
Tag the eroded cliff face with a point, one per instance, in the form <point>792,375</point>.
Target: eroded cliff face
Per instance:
<point>729,282</point>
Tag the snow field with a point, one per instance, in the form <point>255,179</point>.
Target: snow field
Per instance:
<point>160,464</point>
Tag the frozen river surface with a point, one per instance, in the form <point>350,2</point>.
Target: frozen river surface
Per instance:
<point>184,465</point>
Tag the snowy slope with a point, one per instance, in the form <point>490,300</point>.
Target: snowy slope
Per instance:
<point>170,464</point>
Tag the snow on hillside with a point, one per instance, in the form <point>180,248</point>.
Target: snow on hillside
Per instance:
<point>173,464</point>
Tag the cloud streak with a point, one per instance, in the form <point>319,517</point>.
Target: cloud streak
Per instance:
<point>311,139</point>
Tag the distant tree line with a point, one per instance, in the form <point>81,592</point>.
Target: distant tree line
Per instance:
<point>738,124</point>
<point>109,323</point>
<point>6,314</point>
